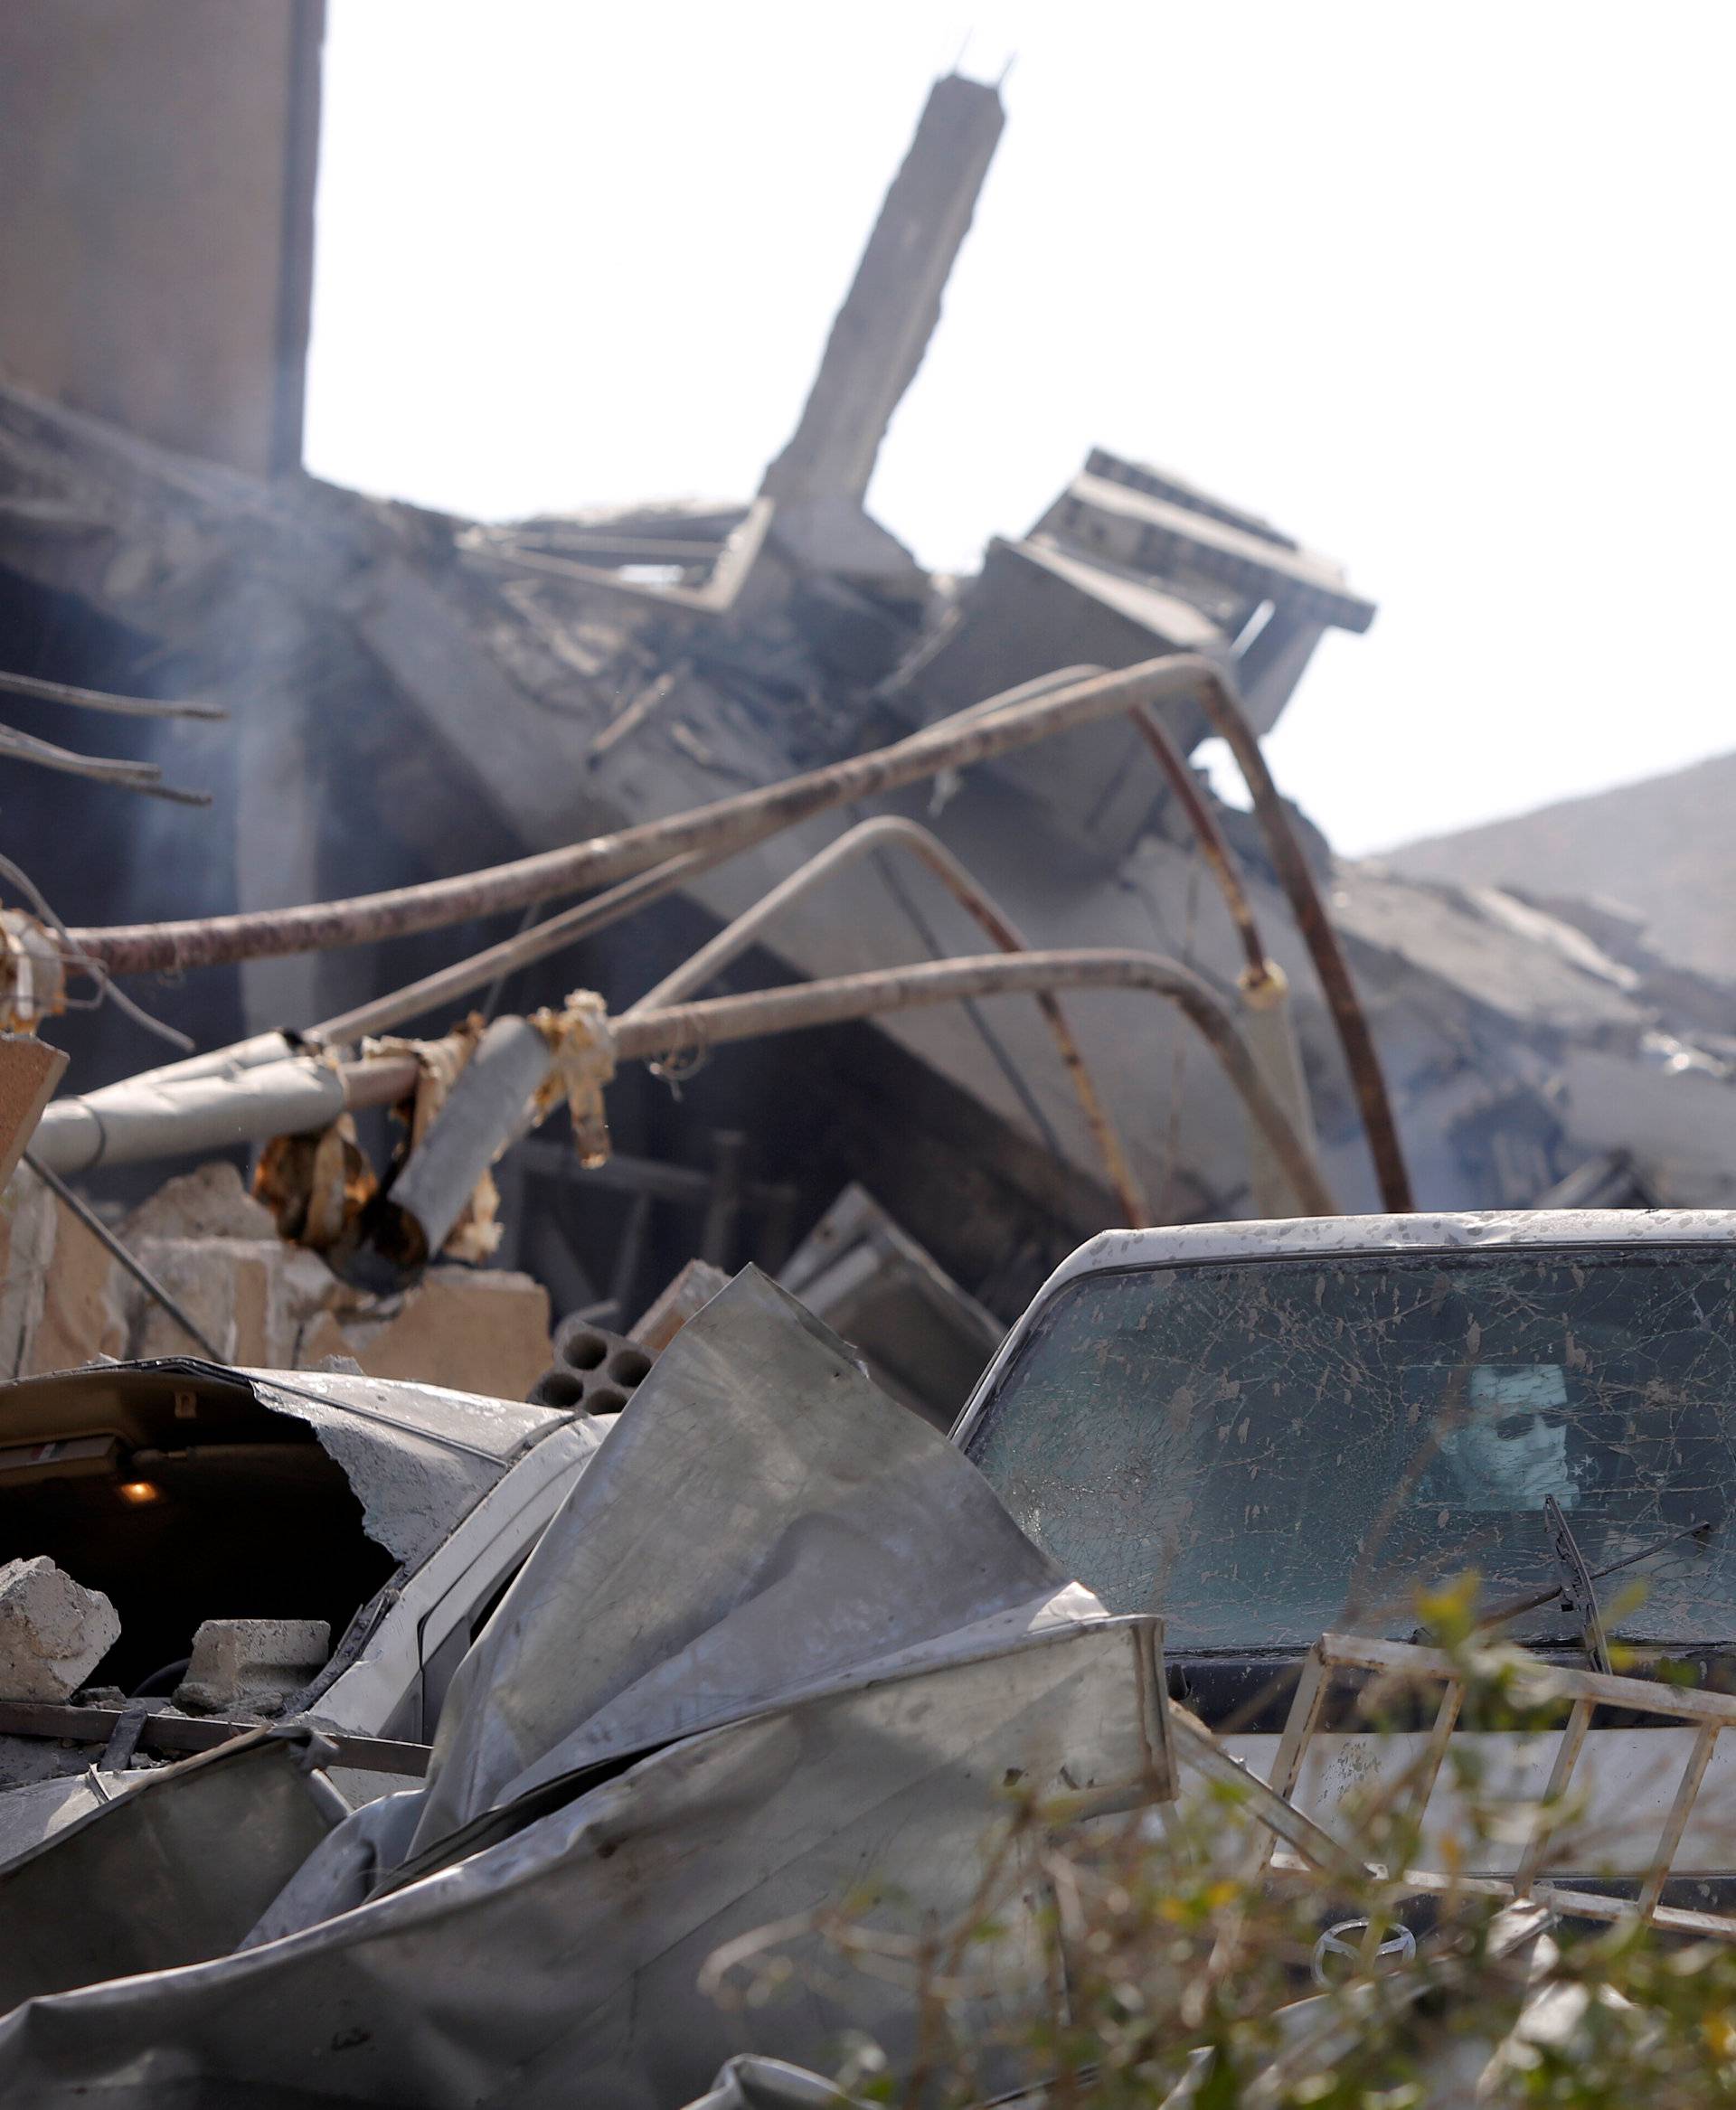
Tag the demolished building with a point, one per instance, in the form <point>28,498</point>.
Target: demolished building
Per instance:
<point>667,1670</point>
<point>409,696</point>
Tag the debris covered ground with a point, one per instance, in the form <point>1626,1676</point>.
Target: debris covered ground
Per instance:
<point>492,1356</point>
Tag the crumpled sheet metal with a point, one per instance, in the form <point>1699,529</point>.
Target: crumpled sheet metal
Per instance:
<point>767,1553</point>
<point>35,1810</point>
<point>560,1968</point>
<point>174,1870</point>
<point>760,1521</point>
<point>767,2084</point>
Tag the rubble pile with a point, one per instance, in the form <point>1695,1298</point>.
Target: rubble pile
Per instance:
<point>264,1303</point>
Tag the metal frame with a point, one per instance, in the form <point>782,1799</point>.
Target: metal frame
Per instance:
<point>1709,1713</point>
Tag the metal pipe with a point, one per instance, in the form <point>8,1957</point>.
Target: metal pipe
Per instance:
<point>685,1029</point>
<point>128,1122</point>
<point>894,832</point>
<point>249,1054</point>
<point>363,919</point>
<point>487,1106</point>
<point>1361,1057</point>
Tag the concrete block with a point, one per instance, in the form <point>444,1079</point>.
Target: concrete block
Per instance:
<point>209,1202</point>
<point>53,1632</point>
<point>475,1330</point>
<point>252,1665</point>
<point>225,1286</point>
<point>86,1297</point>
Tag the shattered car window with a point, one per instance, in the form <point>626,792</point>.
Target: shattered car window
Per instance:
<point>1267,1449</point>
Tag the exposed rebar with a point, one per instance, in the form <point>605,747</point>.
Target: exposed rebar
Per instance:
<point>685,1029</point>
<point>101,700</point>
<point>445,984</point>
<point>1361,1057</point>
<point>363,919</point>
<point>892,832</point>
<point>1221,860</point>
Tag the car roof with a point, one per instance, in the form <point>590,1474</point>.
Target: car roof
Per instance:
<point>1308,1237</point>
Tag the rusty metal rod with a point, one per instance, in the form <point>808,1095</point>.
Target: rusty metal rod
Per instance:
<point>688,1029</point>
<point>140,776</point>
<point>363,919</point>
<point>558,932</point>
<point>1361,1057</point>
<point>445,984</point>
<point>1221,860</point>
<point>892,833</point>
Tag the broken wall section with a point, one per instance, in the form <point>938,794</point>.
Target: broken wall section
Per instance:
<point>65,1300</point>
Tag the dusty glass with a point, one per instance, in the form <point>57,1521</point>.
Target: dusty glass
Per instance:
<point>1265,1449</point>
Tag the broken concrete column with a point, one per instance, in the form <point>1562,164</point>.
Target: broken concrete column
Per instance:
<point>251,1666</point>
<point>881,331</point>
<point>53,1632</point>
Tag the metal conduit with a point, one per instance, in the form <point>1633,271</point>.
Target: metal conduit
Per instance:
<point>686,1029</point>
<point>892,832</point>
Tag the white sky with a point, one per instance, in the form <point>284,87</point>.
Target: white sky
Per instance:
<point>1437,286</point>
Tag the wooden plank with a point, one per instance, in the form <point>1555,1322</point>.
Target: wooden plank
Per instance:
<point>1403,1658</point>
<point>1676,1823</point>
<point>1567,1753</point>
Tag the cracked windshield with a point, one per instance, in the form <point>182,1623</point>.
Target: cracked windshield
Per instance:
<point>1263,1450</point>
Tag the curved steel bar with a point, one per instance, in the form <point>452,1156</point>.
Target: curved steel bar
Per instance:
<point>1221,860</point>
<point>685,1029</point>
<point>582,920</point>
<point>1362,1059</point>
<point>362,919</point>
<point>894,832</point>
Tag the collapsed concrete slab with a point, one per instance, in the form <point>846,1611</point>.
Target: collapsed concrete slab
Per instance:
<point>414,695</point>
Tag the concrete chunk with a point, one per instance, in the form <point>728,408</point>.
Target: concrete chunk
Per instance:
<point>252,1665</point>
<point>208,1202</point>
<point>53,1632</point>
